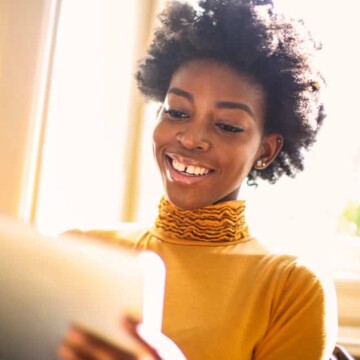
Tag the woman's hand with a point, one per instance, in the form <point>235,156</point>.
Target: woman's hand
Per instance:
<point>82,345</point>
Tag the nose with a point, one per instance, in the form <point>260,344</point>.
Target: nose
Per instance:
<point>193,138</point>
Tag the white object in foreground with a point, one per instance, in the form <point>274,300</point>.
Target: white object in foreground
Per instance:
<point>48,283</point>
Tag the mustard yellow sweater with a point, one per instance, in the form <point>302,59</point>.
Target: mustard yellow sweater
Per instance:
<point>227,297</point>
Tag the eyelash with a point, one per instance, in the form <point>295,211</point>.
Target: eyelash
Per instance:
<point>176,114</point>
<point>229,128</point>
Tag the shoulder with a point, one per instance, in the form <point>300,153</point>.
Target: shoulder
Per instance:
<point>295,275</point>
<point>124,234</point>
<point>299,274</point>
<point>290,267</point>
<point>297,283</point>
<point>303,299</point>
<point>306,291</point>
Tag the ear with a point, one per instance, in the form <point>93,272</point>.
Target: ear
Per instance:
<point>268,151</point>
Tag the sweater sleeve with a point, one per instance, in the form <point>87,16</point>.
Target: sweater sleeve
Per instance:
<point>303,321</point>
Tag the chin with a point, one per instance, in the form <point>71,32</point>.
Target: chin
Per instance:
<point>188,202</point>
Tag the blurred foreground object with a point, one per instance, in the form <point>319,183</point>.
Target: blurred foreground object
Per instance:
<point>47,283</point>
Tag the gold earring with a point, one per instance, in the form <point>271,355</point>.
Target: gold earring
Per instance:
<point>260,163</point>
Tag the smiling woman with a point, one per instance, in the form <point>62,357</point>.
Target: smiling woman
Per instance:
<point>241,98</point>
<point>209,138</point>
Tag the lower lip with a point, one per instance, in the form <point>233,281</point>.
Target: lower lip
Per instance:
<point>179,177</point>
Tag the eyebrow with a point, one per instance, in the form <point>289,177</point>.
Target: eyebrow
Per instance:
<point>182,93</point>
<point>235,105</point>
<point>219,105</point>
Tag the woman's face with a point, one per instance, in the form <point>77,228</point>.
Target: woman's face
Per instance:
<point>209,134</point>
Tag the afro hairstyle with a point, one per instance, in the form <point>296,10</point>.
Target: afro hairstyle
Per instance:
<point>278,53</point>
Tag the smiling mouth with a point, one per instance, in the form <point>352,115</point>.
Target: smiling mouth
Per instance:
<point>188,170</point>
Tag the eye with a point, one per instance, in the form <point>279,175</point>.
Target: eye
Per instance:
<point>229,128</point>
<point>176,114</point>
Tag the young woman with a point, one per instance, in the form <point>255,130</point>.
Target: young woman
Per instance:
<point>241,100</point>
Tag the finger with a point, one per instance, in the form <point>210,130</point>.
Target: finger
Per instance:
<point>79,335</point>
<point>99,348</point>
<point>79,346</point>
<point>64,353</point>
<point>130,325</point>
<point>149,351</point>
<point>145,357</point>
<point>70,352</point>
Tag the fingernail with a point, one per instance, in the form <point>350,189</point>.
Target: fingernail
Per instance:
<point>63,352</point>
<point>146,357</point>
<point>75,334</point>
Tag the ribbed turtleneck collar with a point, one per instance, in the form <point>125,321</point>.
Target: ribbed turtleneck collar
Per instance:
<point>219,224</point>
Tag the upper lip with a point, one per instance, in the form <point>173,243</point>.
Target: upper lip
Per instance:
<point>187,161</point>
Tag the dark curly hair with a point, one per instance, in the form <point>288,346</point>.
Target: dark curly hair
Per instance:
<point>251,38</point>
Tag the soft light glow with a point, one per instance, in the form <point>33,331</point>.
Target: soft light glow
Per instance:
<point>83,167</point>
<point>154,289</point>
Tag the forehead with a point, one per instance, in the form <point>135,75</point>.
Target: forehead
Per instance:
<point>219,77</point>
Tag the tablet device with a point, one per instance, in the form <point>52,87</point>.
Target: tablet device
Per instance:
<point>47,283</point>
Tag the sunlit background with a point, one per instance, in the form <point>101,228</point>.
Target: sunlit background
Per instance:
<point>92,134</point>
<point>87,154</point>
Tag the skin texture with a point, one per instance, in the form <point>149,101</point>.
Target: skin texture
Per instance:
<point>212,117</point>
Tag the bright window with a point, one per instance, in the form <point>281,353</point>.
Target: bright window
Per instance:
<point>83,165</point>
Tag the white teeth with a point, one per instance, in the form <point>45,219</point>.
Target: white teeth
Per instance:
<point>191,169</point>
<point>178,166</point>
<point>197,170</point>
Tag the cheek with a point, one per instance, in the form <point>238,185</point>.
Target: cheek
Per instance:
<point>160,138</point>
<point>238,169</point>
<point>163,134</point>
<point>156,137</point>
<point>242,159</point>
